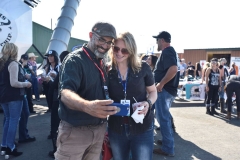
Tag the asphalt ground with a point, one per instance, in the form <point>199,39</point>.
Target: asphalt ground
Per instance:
<point>198,135</point>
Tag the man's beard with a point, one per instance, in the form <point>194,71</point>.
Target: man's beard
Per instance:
<point>159,48</point>
<point>99,54</point>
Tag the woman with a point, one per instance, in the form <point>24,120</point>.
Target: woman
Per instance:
<point>233,85</point>
<point>205,67</point>
<point>198,70</point>
<point>232,70</point>
<point>130,78</point>
<point>151,61</point>
<point>54,113</point>
<point>51,70</point>
<point>12,84</point>
<point>213,85</point>
<point>33,68</point>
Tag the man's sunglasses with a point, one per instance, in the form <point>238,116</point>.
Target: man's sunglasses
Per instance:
<point>123,50</point>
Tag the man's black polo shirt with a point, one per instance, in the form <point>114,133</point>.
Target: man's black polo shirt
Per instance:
<point>80,75</point>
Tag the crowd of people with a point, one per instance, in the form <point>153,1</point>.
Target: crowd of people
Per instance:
<point>81,99</point>
<point>219,79</point>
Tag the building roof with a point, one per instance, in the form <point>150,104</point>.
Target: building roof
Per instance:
<point>218,49</point>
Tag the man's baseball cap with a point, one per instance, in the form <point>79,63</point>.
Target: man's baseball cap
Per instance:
<point>51,52</point>
<point>104,29</point>
<point>165,35</point>
<point>24,56</point>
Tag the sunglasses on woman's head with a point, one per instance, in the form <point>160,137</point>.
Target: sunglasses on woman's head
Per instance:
<point>123,50</point>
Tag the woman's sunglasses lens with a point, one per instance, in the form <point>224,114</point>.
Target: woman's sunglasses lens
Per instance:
<point>116,49</point>
<point>124,51</point>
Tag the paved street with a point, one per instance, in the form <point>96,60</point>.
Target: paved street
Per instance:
<point>199,136</point>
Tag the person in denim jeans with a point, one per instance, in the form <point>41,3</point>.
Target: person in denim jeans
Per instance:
<point>130,78</point>
<point>166,78</point>
<point>33,68</point>
<point>12,84</point>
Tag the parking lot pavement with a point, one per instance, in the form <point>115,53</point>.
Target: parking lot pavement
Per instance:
<point>198,135</point>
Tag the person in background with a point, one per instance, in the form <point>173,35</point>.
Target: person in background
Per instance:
<point>24,57</point>
<point>167,80</point>
<point>191,69</point>
<point>233,85</point>
<point>198,71</point>
<point>184,66</point>
<point>12,84</point>
<point>55,120</point>
<point>224,74</point>
<point>236,68</point>
<point>204,69</point>
<point>33,68</point>
<point>232,70</point>
<point>51,71</point>
<point>24,136</point>
<point>136,79</point>
<point>213,85</point>
<point>151,61</point>
<point>84,99</point>
<point>182,70</point>
<point>144,57</point>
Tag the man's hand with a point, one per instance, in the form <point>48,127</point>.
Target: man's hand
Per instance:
<point>159,87</point>
<point>100,108</point>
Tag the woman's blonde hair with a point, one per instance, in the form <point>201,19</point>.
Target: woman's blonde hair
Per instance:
<point>9,52</point>
<point>131,46</point>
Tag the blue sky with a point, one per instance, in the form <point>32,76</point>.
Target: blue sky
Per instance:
<point>192,24</point>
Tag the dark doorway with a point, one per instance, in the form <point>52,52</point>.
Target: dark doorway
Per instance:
<point>218,56</point>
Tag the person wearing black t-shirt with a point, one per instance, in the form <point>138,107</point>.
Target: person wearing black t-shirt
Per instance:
<point>233,85</point>
<point>167,79</point>
<point>190,69</point>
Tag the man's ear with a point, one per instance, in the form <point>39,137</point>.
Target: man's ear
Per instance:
<point>90,35</point>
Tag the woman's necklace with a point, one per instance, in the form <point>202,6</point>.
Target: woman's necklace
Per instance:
<point>122,73</point>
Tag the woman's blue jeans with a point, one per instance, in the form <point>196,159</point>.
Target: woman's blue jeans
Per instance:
<point>22,129</point>
<point>140,145</point>
<point>12,111</point>
<point>164,118</point>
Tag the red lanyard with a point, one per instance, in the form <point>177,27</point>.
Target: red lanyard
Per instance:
<point>104,80</point>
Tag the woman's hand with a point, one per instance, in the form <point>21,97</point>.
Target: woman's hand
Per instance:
<point>207,88</point>
<point>145,109</point>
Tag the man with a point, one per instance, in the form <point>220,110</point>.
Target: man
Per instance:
<point>83,92</point>
<point>33,68</point>
<point>190,69</point>
<point>184,65</point>
<point>28,90</point>
<point>233,86</point>
<point>167,80</point>
<point>24,136</point>
<point>224,74</point>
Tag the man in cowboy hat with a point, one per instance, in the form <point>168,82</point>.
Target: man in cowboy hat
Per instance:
<point>33,67</point>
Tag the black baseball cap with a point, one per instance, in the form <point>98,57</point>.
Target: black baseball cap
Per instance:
<point>104,29</point>
<point>24,56</point>
<point>165,35</point>
<point>51,52</point>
